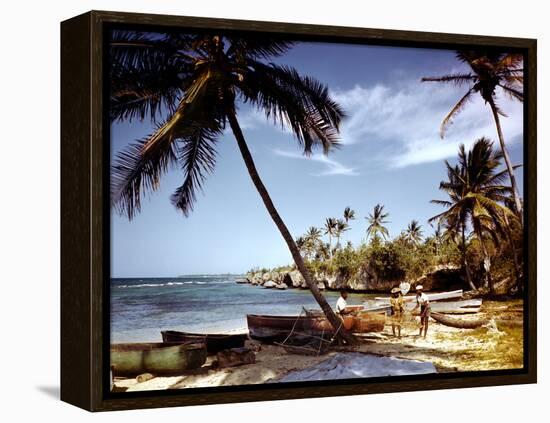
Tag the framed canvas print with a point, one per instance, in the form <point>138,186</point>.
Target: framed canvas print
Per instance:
<point>257,211</point>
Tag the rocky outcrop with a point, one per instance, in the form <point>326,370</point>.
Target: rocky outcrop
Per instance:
<point>294,279</point>
<point>364,280</point>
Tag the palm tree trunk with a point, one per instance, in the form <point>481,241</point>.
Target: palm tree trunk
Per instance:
<point>486,264</point>
<point>517,272</point>
<point>247,157</point>
<point>465,261</point>
<point>515,192</point>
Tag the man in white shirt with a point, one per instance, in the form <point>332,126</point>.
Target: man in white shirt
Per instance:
<point>341,304</point>
<point>423,302</point>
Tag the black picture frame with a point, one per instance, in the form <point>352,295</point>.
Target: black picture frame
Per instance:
<point>85,216</point>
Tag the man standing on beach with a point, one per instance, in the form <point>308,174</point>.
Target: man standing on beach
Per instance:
<point>423,302</point>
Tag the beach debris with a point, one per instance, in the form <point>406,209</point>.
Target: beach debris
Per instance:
<point>144,377</point>
<point>492,328</point>
<point>235,357</point>
<point>255,346</point>
<point>359,365</point>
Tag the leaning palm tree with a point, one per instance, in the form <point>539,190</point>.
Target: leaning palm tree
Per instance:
<point>377,221</point>
<point>477,197</point>
<point>489,69</point>
<point>413,234</point>
<point>199,81</point>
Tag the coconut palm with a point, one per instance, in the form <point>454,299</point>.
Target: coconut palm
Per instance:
<point>413,234</point>
<point>489,69</point>
<point>438,237</point>
<point>330,229</point>
<point>349,214</point>
<point>341,227</point>
<point>199,82</point>
<point>476,198</point>
<point>312,240</point>
<point>377,221</point>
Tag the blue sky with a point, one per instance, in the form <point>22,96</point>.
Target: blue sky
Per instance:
<point>391,154</point>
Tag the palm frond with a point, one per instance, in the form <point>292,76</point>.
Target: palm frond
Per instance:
<point>512,92</point>
<point>131,48</point>
<point>196,158</point>
<point>458,107</point>
<point>457,79</point>
<point>302,103</point>
<point>257,46</point>
<point>138,168</point>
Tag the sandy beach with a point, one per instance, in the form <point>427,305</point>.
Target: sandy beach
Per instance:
<point>498,345</point>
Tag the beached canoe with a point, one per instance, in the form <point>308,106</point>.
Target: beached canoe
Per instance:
<point>449,295</point>
<point>457,322</point>
<point>215,342</point>
<point>272,329</point>
<point>156,358</point>
<point>452,307</point>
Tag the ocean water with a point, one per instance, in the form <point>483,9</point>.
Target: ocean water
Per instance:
<point>142,307</point>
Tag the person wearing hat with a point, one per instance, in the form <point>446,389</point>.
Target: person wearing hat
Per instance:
<point>423,302</point>
<point>396,303</point>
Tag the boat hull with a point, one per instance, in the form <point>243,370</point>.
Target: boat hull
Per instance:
<point>214,342</point>
<point>272,329</point>
<point>156,358</point>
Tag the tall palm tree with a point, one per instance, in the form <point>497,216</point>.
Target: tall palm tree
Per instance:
<point>330,229</point>
<point>199,81</point>
<point>341,227</point>
<point>489,69</point>
<point>312,240</point>
<point>438,237</point>
<point>476,197</point>
<point>413,233</point>
<point>377,220</point>
<point>349,214</point>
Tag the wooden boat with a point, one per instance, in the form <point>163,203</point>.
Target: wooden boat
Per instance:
<point>277,328</point>
<point>156,358</point>
<point>215,342</point>
<point>367,321</point>
<point>457,322</point>
<point>432,297</point>
<point>452,307</point>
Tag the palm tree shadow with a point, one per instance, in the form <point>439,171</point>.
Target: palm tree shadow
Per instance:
<point>50,391</point>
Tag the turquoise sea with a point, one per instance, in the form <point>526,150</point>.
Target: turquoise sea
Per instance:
<point>142,307</point>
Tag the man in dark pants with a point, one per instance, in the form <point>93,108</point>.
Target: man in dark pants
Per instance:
<point>423,302</point>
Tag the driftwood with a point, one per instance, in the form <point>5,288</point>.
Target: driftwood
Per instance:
<point>458,323</point>
<point>144,377</point>
<point>235,357</point>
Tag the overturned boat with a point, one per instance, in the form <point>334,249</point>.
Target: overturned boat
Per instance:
<point>156,358</point>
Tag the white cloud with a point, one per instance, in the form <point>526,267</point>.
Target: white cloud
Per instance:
<point>403,121</point>
<point>332,167</point>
